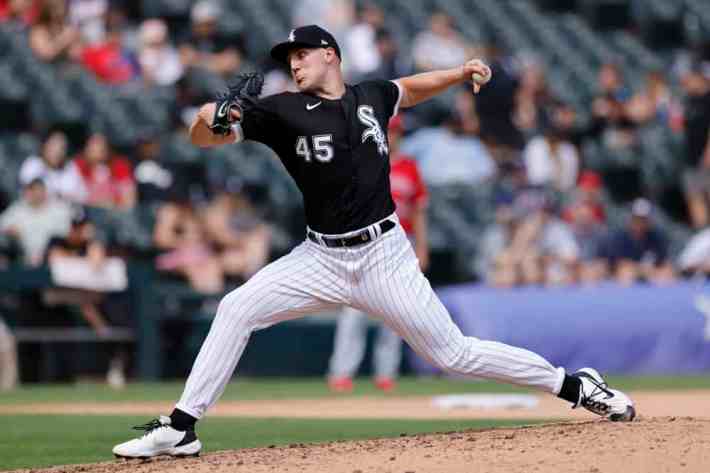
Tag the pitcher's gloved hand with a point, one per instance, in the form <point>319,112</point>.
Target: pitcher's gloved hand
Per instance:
<point>241,95</point>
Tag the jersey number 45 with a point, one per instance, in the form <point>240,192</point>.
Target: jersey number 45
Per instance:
<point>322,148</point>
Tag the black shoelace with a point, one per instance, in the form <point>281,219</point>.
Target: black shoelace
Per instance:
<point>150,426</point>
<point>599,388</point>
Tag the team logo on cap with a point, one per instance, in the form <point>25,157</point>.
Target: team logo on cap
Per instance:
<point>322,41</point>
<point>292,36</point>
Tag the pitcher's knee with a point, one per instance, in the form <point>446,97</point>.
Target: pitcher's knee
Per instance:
<point>458,358</point>
<point>234,305</point>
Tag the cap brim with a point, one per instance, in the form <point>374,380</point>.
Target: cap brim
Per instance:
<point>280,52</point>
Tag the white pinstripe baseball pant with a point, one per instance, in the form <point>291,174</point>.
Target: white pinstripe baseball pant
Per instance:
<point>381,278</point>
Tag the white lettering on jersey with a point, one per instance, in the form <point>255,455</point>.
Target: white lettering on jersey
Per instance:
<point>366,114</point>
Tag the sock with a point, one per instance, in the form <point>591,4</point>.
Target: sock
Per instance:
<point>571,387</point>
<point>180,420</point>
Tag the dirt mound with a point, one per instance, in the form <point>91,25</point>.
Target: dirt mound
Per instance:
<point>644,446</point>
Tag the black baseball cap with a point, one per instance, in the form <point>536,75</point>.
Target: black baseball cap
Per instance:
<point>310,36</point>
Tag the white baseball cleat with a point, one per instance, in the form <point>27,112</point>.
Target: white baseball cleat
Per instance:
<point>596,396</point>
<point>160,439</point>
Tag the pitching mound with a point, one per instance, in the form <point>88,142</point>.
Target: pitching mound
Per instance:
<point>645,446</point>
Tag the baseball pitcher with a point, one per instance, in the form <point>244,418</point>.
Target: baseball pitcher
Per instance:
<point>331,138</point>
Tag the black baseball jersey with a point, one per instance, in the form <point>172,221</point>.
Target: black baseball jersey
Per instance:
<point>335,150</point>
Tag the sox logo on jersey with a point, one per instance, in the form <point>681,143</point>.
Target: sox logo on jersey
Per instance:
<point>366,114</point>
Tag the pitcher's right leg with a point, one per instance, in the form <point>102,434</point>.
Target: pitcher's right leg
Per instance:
<point>295,285</point>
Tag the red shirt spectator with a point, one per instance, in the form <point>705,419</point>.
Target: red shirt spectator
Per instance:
<point>408,189</point>
<point>26,11</point>
<point>109,61</point>
<point>589,188</point>
<point>108,179</point>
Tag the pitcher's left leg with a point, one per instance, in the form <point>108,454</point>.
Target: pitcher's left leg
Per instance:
<point>397,291</point>
<point>394,288</point>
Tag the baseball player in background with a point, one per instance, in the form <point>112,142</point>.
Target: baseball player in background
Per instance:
<point>410,198</point>
<point>330,137</point>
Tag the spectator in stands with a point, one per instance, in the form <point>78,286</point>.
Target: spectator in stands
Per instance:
<point>360,50</point>
<point>468,160</point>
<point>409,192</point>
<point>391,62</point>
<point>550,159</point>
<point>439,47</point>
<point>532,246</point>
<point>205,47</point>
<point>495,105</point>
<point>159,60</point>
<point>60,176</point>
<point>153,179</point>
<point>108,177</point>
<point>494,264</point>
<point>81,251</point>
<point>589,193</point>
<point>696,176</point>
<point>532,96</point>
<point>109,60</point>
<point>87,16</point>
<point>8,358</point>
<point>639,252</point>
<point>653,104</point>
<point>34,220</point>
<point>591,235</point>
<point>528,244</point>
<point>543,245</point>
<point>610,118</point>
<point>24,12</point>
<point>80,243</point>
<point>51,38</point>
<point>180,234</point>
<point>242,238</point>
<point>336,16</point>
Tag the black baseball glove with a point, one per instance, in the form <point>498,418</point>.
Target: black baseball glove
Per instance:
<point>241,95</point>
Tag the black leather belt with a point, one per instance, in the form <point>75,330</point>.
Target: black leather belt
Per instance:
<point>357,239</point>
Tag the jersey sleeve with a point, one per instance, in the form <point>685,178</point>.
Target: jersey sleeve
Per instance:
<point>260,123</point>
<point>391,95</point>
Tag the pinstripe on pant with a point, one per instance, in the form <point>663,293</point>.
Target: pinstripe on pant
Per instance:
<point>381,278</point>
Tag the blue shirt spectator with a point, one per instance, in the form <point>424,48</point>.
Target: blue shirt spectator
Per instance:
<point>467,160</point>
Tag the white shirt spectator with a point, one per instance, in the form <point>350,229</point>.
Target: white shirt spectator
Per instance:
<point>159,60</point>
<point>65,182</point>
<point>545,167</point>
<point>361,54</point>
<point>336,16</point>
<point>35,226</point>
<point>88,17</point>
<point>435,52</point>
<point>558,240</point>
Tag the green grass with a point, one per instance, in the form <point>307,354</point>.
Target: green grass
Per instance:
<point>299,388</point>
<point>31,441</point>
<point>43,440</point>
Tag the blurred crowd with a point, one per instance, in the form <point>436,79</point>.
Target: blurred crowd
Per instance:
<point>515,133</point>
<point>551,207</point>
